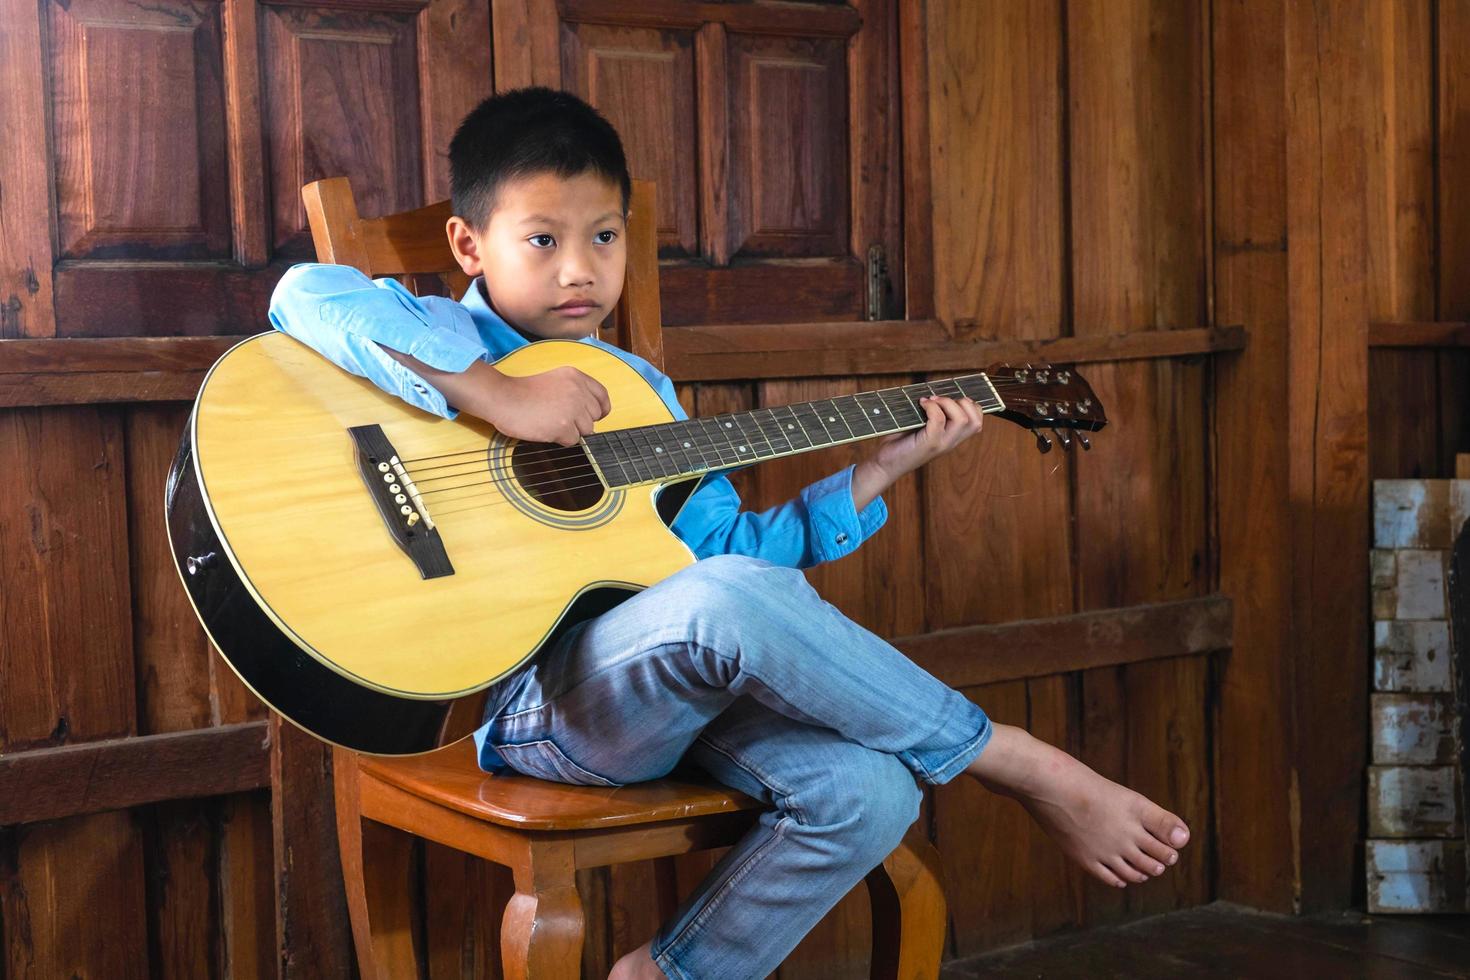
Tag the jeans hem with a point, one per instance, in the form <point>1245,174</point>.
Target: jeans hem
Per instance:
<point>955,762</point>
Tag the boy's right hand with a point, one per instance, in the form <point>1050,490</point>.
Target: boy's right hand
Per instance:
<point>560,405</point>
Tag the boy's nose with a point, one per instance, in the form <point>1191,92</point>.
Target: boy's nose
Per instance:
<point>576,269</point>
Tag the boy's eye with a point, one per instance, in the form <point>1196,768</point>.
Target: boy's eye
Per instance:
<point>542,241</point>
<point>605,237</point>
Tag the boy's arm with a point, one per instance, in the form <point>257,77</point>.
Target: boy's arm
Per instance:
<point>426,351</point>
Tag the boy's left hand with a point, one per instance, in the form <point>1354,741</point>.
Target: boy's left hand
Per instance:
<point>951,422</point>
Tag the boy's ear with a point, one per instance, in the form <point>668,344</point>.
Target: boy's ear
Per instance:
<point>465,245</point>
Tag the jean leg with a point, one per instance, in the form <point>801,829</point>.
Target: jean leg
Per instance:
<point>838,810</point>
<point>626,694</point>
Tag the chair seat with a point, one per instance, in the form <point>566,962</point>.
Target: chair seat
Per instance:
<point>452,777</point>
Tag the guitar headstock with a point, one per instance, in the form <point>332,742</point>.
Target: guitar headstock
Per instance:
<point>1045,396</point>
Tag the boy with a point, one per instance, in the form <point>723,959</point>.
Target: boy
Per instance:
<point>734,663</point>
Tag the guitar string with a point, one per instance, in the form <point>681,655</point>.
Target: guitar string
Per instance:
<point>1001,383</point>
<point>579,459</point>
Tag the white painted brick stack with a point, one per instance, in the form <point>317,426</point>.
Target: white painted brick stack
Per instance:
<point>1416,847</point>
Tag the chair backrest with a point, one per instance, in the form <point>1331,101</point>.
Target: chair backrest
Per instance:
<point>413,243</point>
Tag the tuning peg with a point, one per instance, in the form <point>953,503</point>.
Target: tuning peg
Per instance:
<point>1064,437</point>
<point>1086,442</point>
<point>1043,444</point>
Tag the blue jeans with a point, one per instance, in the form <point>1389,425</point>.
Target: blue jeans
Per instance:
<point>740,667</point>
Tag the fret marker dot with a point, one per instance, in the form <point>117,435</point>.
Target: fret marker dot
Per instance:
<point>742,449</point>
<point>686,445</point>
<point>729,425</point>
<point>831,419</point>
<point>658,449</point>
<point>790,426</point>
<point>875,411</point>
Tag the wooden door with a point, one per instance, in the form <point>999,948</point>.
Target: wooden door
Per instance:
<point>771,129</point>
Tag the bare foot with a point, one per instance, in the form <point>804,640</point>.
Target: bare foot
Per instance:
<point>1116,834</point>
<point>637,965</point>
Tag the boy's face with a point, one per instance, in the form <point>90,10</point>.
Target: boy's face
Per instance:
<point>552,254</point>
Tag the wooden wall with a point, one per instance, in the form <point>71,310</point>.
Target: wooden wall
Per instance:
<point>1204,204</point>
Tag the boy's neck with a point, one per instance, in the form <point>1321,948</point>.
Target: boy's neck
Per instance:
<point>485,295</point>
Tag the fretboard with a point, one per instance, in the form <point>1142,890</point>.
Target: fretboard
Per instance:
<point>675,450</point>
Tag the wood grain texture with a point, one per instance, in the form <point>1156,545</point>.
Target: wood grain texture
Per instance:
<point>1327,51</point>
<point>26,257</point>
<point>1137,257</point>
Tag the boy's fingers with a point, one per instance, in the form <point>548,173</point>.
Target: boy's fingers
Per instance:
<point>599,393</point>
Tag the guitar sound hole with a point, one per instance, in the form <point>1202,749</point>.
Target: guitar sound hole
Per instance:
<point>559,477</point>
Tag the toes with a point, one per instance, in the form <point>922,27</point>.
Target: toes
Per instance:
<point>1124,870</point>
<point>1158,850</point>
<point>1141,862</point>
<point>1166,827</point>
<point>1101,873</point>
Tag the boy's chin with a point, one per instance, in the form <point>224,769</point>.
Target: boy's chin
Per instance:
<point>565,328</point>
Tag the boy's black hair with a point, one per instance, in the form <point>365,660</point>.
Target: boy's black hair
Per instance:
<point>528,131</point>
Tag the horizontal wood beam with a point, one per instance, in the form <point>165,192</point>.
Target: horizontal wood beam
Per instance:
<point>974,655</point>
<point>1420,334</point>
<point>47,784</point>
<point>80,371</point>
<point>731,353</point>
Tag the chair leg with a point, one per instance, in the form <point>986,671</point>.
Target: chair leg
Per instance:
<point>377,864</point>
<point>541,933</point>
<point>908,912</point>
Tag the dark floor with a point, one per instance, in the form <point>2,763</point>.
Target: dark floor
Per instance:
<point>1227,941</point>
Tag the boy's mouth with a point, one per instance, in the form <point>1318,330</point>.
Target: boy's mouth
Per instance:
<point>577,307</point>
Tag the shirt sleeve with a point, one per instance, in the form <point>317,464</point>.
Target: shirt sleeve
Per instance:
<point>820,524</point>
<point>343,315</point>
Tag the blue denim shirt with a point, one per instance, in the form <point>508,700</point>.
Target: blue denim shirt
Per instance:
<point>344,316</point>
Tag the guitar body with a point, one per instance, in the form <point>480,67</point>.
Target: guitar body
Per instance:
<point>295,571</point>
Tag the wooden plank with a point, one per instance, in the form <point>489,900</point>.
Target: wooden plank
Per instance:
<point>1253,775</point>
<point>918,199</point>
<point>1416,876</point>
<point>246,888</point>
<point>114,774</point>
<point>313,936</point>
<point>1412,729</point>
<point>26,391</point>
<point>1418,334</point>
<point>249,221</point>
<point>112,355</point>
<point>1452,29</point>
<point>26,257</point>
<point>1412,801</point>
<point>766,18</point>
<point>68,679</point>
<point>974,655</point>
<point>1139,258</point>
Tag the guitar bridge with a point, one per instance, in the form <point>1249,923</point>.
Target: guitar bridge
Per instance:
<point>398,502</point>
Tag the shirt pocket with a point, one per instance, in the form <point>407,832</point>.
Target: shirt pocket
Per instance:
<point>544,760</point>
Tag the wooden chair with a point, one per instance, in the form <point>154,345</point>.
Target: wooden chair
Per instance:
<point>543,831</point>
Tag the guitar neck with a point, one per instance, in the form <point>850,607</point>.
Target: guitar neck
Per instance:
<point>680,450</point>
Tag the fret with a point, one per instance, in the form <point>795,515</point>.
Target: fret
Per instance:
<point>875,411</point>
<point>658,463</point>
<point>907,414</point>
<point>607,460</point>
<point>746,422</point>
<point>680,444</point>
<point>852,413</point>
<point>792,429</point>
<point>740,446</point>
<point>773,429</point>
<point>631,456</point>
<point>714,438</point>
<point>811,421</point>
<point>834,421</point>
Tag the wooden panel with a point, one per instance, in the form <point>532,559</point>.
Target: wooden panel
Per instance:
<point>643,81</point>
<point>1453,34</point>
<point>1328,432</point>
<point>1403,395</point>
<point>26,255</point>
<point>788,165</point>
<point>139,90</point>
<point>1138,234</point>
<point>454,76</point>
<point>1254,775</point>
<point>997,170</point>
<point>342,97</point>
<point>67,677</point>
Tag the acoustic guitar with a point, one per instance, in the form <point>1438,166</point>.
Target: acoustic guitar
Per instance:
<point>369,569</point>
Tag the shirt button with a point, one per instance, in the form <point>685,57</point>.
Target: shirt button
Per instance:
<point>420,389</point>
<point>842,538</point>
